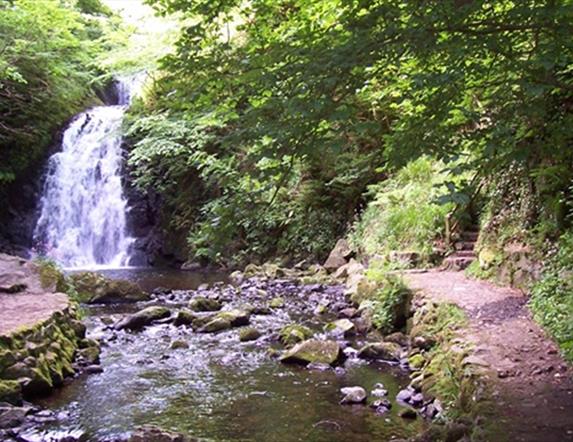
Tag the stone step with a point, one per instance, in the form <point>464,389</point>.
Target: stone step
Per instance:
<point>457,262</point>
<point>463,254</point>
<point>464,245</point>
<point>466,235</point>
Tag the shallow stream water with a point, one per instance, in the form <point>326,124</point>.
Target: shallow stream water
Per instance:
<point>219,388</point>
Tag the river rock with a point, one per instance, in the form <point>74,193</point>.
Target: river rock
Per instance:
<point>236,317</point>
<point>353,395</point>
<point>11,417</point>
<point>215,325</point>
<point>184,317</point>
<point>397,338</point>
<point>277,303</point>
<point>179,344</point>
<point>202,304</point>
<point>341,327</point>
<point>93,288</point>
<point>142,318</point>
<point>249,334</point>
<point>338,256</point>
<point>387,351</point>
<point>404,395</point>
<point>152,433</point>
<point>294,333</point>
<point>313,350</point>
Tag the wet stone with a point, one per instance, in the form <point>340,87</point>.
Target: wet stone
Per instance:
<point>353,395</point>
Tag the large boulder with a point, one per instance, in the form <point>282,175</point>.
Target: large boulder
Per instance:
<point>294,333</point>
<point>313,351</point>
<point>93,288</point>
<point>142,318</point>
<point>339,256</point>
<point>203,304</point>
<point>388,351</point>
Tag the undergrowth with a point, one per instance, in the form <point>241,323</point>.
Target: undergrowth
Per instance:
<point>404,213</point>
<point>552,296</point>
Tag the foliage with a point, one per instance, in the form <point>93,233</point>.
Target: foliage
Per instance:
<point>389,303</point>
<point>46,70</point>
<point>552,296</point>
<point>404,213</point>
<point>307,102</point>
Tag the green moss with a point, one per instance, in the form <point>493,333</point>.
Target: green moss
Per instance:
<point>294,333</point>
<point>11,392</point>
<point>51,276</point>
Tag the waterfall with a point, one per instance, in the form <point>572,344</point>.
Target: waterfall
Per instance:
<point>83,208</point>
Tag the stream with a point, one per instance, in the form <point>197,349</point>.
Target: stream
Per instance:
<point>219,388</point>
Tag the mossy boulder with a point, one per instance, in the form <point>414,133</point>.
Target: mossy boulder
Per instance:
<point>215,325</point>
<point>249,334</point>
<point>388,351</point>
<point>203,304</point>
<point>143,318</point>
<point>236,317</point>
<point>11,392</point>
<point>179,345</point>
<point>184,317</point>
<point>313,351</point>
<point>416,361</point>
<point>295,333</point>
<point>93,288</point>
<point>341,327</point>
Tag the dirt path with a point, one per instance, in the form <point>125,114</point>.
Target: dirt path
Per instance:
<point>25,310</point>
<point>532,384</point>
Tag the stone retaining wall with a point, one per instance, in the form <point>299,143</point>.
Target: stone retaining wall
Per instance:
<point>35,359</point>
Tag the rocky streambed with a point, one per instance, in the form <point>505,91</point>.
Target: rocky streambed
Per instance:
<point>259,359</point>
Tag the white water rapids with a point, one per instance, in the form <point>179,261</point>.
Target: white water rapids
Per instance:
<point>82,221</point>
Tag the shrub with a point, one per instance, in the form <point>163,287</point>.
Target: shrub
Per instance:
<point>404,213</point>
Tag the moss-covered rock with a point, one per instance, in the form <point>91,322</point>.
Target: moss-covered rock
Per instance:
<point>277,303</point>
<point>203,304</point>
<point>388,351</point>
<point>294,333</point>
<point>93,288</point>
<point>313,351</point>
<point>11,392</point>
<point>184,317</point>
<point>235,317</point>
<point>249,334</point>
<point>142,318</point>
<point>342,327</point>
<point>215,325</point>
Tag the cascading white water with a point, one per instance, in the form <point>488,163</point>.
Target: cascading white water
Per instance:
<point>83,208</point>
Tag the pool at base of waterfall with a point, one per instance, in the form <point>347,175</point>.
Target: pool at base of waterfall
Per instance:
<point>213,386</point>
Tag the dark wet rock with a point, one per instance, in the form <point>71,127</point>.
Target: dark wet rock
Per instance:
<point>417,399</point>
<point>94,288</point>
<point>151,433</point>
<point>353,395</point>
<point>423,342</point>
<point>184,317</point>
<point>93,369</point>
<point>397,338</point>
<point>11,392</point>
<point>11,417</point>
<point>294,333</point>
<point>142,318</point>
<point>387,351</point>
<point>456,431</point>
<point>313,350</point>
<point>179,344</point>
<point>408,413</point>
<point>249,334</point>
<point>341,327</point>
<point>202,304</point>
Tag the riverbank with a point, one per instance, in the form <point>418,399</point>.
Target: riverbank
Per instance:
<point>530,383</point>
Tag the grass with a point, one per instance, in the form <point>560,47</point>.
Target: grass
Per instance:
<point>404,214</point>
